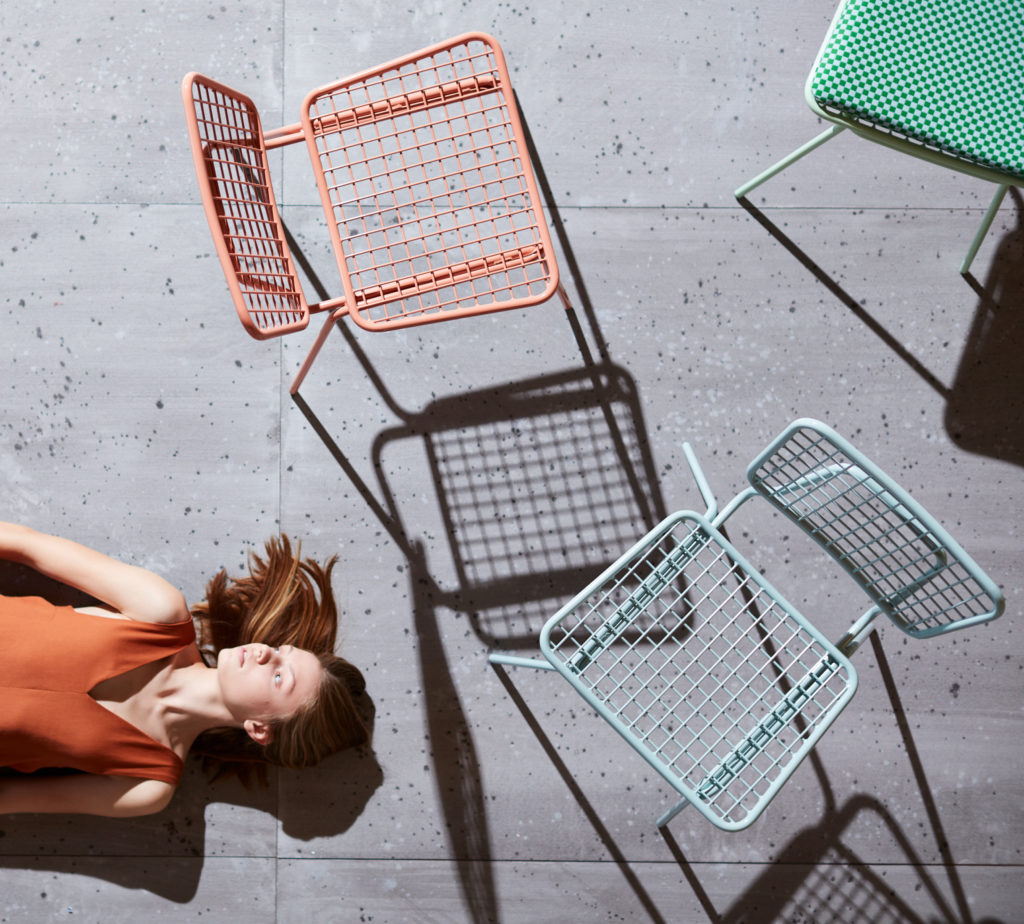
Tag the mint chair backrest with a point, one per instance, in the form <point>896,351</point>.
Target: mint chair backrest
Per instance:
<point>908,565</point>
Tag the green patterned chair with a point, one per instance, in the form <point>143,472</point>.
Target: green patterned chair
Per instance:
<point>942,80</point>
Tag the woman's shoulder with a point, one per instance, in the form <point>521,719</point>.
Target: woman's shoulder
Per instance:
<point>165,606</point>
<point>162,613</point>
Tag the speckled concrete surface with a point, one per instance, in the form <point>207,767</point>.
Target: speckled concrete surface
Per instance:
<point>455,469</point>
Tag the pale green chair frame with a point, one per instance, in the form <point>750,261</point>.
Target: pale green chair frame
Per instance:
<point>907,145</point>
<point>706,670</point>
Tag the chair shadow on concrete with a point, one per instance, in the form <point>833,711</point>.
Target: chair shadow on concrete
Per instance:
<point>985,403</point>
<point>164,853</point>
<point>985,406</point>
<point>539,483</point>
<point>621,861</point>
<point>750,607</point>
<point>453,753</point>
<point>818,876</point>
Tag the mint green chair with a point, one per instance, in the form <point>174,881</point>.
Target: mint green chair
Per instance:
<point>942,80</point>
<point>702,665</point>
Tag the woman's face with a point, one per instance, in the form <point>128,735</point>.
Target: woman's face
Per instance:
<point>260,682</point>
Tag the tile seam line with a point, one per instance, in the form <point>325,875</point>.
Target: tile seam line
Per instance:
<point>611,208</point>
<point>938,864</point>
<point>280,449</point>
<point>446,859</point>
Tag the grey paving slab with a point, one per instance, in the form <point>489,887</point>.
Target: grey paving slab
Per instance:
<point>646,105</point>
<point>838,888</point>
<point>705,338</point>
<point>134,417</point>
<point>468,478</point>
<point>93,103</point>
<point>700,99</point>
<point>596,798</point>
<point>212,820</point>
<point>123,888</point>
<point>713,359</point>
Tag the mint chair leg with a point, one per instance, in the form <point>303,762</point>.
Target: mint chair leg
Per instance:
<point>986,223</point>
<point>801,151</point>
<point>515,661</point>
<point>672,812</point>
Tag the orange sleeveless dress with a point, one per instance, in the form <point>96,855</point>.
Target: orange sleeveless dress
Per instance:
<point>52,657</point>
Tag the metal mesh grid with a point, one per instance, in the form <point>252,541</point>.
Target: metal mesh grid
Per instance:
<point>238,175</point>
<point>818,879</point>
<point>905,563</point>
<point>430,189</point>
<point>841,888</point>
<point>711,676</point>
<point>541,499</point>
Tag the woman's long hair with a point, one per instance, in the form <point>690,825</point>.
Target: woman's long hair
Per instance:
<point>284,600</point>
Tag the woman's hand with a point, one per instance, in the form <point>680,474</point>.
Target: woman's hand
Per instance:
<point>131,591</point>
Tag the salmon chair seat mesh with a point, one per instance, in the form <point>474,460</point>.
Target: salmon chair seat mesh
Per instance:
<point>424,175</point>
<point>938,79</point>
<point>701,664</point>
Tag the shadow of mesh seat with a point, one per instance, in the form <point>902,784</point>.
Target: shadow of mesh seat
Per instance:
<point>938,79</point>
<point>424,174</point>
<point>706,669</point>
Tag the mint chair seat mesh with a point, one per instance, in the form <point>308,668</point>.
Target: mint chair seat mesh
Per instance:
<point>430,200</point>
<point>706,669</point>
<point>938,79</point>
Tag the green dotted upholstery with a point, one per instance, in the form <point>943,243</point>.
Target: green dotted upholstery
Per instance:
<point>945,73</point>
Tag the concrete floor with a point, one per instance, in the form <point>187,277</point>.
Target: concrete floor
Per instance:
<point>138,417</point>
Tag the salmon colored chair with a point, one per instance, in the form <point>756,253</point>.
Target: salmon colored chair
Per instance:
<point>425,179</point>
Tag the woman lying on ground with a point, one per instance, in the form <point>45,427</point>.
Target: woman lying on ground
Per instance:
<point>123,691</point>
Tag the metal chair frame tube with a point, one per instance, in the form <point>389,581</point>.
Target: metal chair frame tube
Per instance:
<point>809,467</point>
<point>889,139</point>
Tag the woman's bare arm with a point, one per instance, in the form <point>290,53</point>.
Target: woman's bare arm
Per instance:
<point>132,591</point>
<point>88,794</point>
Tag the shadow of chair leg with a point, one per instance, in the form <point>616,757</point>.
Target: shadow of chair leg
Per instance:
<point>927,797</point>
<point>843,296</point>
<point>386,519</point>
<point>456,766</point>
<point>568,255</point>
<point>1007,256</point>
<point>602,832</point>
<point>690,875</point>
<point>986,401</point>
